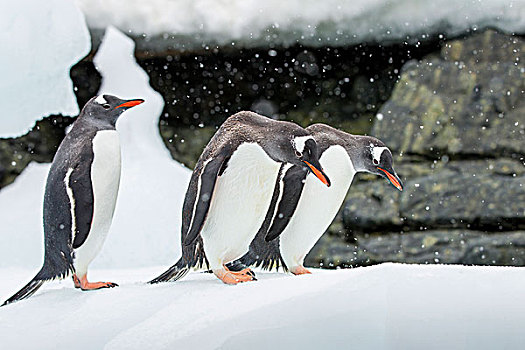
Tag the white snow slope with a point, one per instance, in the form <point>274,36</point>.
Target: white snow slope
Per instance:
<point>312,22</point>
<point>40,41</point>
<point>389,306</point>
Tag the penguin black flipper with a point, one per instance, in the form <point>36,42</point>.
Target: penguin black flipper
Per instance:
<point>264,250</point>
<point>197,202</point>
<point>201,203</point>
<point>80,184</point>
<point>293,184</point>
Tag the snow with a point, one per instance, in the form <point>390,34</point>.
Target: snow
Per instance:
<point>310,22</point>
<point>388,306</point>
<point>35,64</point>
<point>146,225</point>
<point>21,233</point>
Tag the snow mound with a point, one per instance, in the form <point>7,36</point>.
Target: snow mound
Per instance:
<point>310,22</point>
<point>389,306</point>
<point>40,41</point>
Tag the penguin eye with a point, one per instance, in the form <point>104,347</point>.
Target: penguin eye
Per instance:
<point>298,154</point>
<point>106,106</point>
<point>375,161</point>
<point>308,151</point>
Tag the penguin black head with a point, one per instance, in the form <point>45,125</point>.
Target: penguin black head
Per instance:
<point>377,159</point>
<point>306,154</point>
<point>107,108</point>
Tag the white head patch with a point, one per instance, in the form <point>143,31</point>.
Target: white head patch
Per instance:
<point>299,142</point>
<point>100,100</point>
<point>377,152</point>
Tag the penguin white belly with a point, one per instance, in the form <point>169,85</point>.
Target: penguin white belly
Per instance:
<point>105,180</point>
<point>317,206</point>
<point>239,204</point>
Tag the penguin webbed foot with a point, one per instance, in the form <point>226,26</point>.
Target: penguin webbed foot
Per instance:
<point>299,270</point>
<point>245,272</point>
<point>234,277</point>
<point>237,265</point>
<point>84,284</point>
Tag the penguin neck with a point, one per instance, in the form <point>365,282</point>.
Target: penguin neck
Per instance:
<point>336,160</point>
<point>353,147</point>
<point>95,123</point>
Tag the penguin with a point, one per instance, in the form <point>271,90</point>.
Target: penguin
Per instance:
<point>80,195</point>
<point>304,209</point>
<point>231,189</point>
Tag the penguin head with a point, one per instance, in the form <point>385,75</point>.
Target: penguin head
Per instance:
<point>306,154</point>
<point>377,159</point>
<point>108,108</point>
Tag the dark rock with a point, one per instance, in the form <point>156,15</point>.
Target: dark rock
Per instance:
<point>187,144</point>
<point>332,251</point>
<point>468,101</point>
<point>306,85</point>
<point>463,197</point>
<point>372,206</point>
<point>486,194</point>
<point>39,144</point>
<point>423,247</point>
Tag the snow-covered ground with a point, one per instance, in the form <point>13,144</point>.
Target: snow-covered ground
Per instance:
<point>311,22</point>
<point>389,306</point>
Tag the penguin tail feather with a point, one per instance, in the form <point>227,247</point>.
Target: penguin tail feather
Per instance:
<point>28,290</point>
<point>174,273</point>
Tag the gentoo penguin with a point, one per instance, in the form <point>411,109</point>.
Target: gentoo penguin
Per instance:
<point>304,209</point>
<point>80,196</point>
<point>231,189</point>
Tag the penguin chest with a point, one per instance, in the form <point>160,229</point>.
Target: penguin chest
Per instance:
<point>105,180</point>
<point>239,204</point>
<point>317,206</point>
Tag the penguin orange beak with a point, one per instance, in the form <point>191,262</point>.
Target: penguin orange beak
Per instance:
<point>319,173</point>
<point>393,179</point>
<point>130,103</point>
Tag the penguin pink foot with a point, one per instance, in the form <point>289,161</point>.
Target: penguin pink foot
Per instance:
<point>234,277</point>
<point>245,272</point>
<point>299,270</point>
<point>83,283</point>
